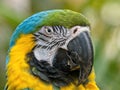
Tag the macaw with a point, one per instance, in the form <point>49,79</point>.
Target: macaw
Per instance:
<point>51,50</point>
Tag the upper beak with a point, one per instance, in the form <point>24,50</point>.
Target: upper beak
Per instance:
<point>80,50</point>
<point>78,56</point>
<point>81,53</point>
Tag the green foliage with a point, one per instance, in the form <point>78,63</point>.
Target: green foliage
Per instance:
<point>104,16</point>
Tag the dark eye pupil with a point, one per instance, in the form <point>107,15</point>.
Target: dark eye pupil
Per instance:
<point>49,30</point>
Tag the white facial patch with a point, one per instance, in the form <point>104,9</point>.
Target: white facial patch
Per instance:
<point>74,32</point>
<point>44,54</point>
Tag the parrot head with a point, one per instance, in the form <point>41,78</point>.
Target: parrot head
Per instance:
<point>63,51</point>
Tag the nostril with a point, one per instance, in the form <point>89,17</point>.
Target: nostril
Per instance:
<point>75,31</point>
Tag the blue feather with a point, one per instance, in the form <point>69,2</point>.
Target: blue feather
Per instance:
<point>28,26</point>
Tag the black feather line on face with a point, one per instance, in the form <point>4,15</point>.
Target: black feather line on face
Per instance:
<point>57,38</point>
<point>52,74</point>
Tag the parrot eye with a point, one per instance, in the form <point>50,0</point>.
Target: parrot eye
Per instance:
<point>48,30</point>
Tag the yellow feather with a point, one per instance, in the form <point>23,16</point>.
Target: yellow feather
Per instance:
<point>18,73</point>
<point>91,85</point>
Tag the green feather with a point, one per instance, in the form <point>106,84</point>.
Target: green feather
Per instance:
<point>66,18</point>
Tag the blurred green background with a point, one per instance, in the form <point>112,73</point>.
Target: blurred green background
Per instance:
<point>104,16</point>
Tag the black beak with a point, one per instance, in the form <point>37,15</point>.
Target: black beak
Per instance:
<point>80,49</point>
<point>79,56</point>
<point>81,53</point>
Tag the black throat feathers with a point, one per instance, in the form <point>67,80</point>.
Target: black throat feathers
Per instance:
<point>59,74</point>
